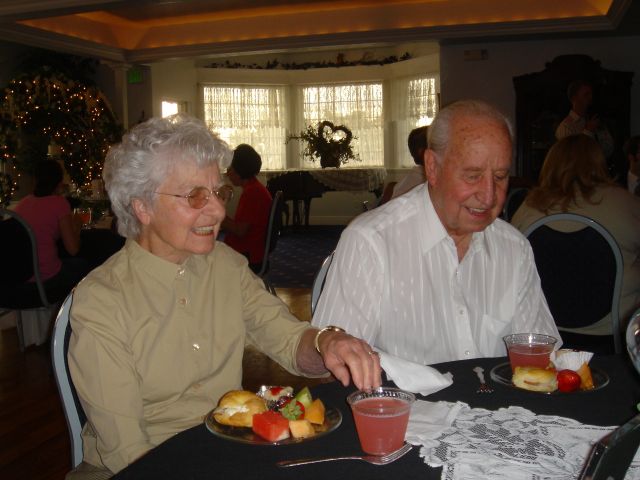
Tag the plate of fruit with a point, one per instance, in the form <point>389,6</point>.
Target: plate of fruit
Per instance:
<point>272,416</point>
<point>568,372</point>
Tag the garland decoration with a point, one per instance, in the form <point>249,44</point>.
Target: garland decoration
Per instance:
<point>48,107</point>
<point>339,62</point>
<point>7,189</point>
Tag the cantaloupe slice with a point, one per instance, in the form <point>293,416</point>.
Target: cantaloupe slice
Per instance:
<point>301,428</point>
<point>315,412</point>
<point>586,380</point>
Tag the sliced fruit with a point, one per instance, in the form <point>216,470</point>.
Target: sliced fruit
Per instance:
<point>586,380</point>
<point>271,426</point>
<point>301,428</point>
<point>304,397</point>
<point>315,412</point>
<point>292,409</point>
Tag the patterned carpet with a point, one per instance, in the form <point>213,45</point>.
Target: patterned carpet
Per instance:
<point>299,254</point>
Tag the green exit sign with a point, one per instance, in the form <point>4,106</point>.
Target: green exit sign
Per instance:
<point>134,75</point>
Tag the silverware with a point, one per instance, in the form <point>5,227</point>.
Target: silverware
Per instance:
<point>483,388</point>
<point>373,459</point>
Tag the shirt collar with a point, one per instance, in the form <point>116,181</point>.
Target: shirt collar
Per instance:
<point>163,270</point>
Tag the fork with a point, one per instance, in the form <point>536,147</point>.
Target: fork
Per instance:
<point>483,388</point>
<point>373,459</point>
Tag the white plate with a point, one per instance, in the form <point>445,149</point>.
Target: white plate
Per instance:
<point>332,420</point>
<point>502,374</point>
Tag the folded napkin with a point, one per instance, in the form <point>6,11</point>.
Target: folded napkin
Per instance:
<point>413,377</point>
<point>510,443</point>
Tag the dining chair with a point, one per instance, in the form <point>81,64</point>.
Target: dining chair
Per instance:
<point>274,228</point>
<point>319,281</point>
<point>514,199</point>
<point>581,275</point>
<point>20,263</point>
<point>73,412</point>
<point>610,458</point>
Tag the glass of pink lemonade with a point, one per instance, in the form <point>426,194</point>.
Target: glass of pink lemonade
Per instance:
<point>381,417</point>
<point>529,349</point>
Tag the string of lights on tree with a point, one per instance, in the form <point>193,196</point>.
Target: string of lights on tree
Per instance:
<point>50,108</point>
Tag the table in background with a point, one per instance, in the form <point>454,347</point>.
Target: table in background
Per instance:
<point>198,454</point>
<point>305,185</point>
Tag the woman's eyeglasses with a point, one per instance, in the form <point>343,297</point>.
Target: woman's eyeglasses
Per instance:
<point>199,196</point>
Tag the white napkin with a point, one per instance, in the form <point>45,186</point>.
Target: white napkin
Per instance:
<point>413,377</point>
<point>508,444</point>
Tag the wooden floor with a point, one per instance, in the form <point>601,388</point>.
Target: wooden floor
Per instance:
<point>34,443</point>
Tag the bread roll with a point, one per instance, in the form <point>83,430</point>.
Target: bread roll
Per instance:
<point>237,408</point>
<point>535,379</point>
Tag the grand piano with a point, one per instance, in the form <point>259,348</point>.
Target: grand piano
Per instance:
<point>302,186</point>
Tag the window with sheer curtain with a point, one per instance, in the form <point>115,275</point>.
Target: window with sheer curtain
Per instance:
<point>358,107</point>
<point>414,103</point>
<point>256,115</point>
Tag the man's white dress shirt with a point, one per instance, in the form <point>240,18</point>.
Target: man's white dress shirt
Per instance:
<point>396,282</point>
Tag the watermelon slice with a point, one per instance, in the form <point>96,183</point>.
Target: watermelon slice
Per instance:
<point>271,426</point>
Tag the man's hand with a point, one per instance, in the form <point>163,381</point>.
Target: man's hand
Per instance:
<point>347,357</point>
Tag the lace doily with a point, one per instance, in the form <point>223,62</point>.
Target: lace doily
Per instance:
<point>511,443</point>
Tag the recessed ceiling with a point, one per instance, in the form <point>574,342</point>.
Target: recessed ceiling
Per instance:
<point>144,31</point>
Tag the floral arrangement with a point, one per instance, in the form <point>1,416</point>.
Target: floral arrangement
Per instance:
<point>327,142</point>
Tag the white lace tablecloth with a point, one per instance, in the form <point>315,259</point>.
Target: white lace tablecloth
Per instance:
<point>508,444</point>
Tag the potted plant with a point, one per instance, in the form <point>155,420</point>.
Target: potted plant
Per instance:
<point>327,142</point>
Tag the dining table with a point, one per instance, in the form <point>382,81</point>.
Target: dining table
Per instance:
<point>197,453</point>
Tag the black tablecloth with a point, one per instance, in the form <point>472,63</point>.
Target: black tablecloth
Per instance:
<point>198,454</point>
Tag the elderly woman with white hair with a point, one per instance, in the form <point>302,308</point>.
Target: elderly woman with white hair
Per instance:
<point>159,329</point>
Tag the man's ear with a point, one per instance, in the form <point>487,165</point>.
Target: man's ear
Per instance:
<point>431,166</point>
<point>142,211</point>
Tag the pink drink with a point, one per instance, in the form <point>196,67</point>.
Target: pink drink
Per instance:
<point>381,423</point>
<point>529,355</point>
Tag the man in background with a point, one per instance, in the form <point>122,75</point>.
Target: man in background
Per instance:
<point>417,142</point>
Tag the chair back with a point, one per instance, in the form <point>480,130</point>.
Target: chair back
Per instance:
<point>73,411</point>
<point>514,199</point>
<point>611,456</point>
<point>581,272</point>
<point>273,231</point>
<point>20,261</point>
<point>319,280</point>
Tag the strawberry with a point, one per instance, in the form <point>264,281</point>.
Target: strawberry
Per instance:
<point>568,380</point>
<point>292,410</point>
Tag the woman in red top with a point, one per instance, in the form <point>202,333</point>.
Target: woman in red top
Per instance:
<point>246,231</point>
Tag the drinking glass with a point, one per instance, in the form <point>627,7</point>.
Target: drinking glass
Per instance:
<point>84,214</point>
<point>633,340</point>
<point>381,416</point>
<point>529,349</point>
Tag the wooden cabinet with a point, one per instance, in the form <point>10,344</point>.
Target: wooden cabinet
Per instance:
<point>542,103</point>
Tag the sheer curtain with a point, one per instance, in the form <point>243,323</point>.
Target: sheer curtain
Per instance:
<point>356,106</point>
<point>256,115</point>
<point>414,103</point>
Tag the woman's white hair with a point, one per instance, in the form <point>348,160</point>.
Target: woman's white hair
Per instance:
<point>439,130</point>
<point>137,166</point>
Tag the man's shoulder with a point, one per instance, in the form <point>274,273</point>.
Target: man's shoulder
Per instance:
<point>397,212</point>
<point>504,234</point>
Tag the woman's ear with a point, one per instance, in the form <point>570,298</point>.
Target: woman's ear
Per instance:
<point>142,211</point>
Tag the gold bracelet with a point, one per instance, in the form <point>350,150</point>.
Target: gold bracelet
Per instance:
<point>328,328</point>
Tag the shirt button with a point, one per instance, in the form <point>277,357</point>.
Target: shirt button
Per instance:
<point>467,353</point>
<point>461,311</point>
<point>183,301</point>
<point>196,347</point>
<point>181,271</point>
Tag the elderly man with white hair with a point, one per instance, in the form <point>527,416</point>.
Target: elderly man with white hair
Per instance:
<point>433,275</point>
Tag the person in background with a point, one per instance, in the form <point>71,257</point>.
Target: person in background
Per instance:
<point>581,120</point>
<point>632,153</point>
<point>246,231</point>
<point>434,276</point>
<point>159,329</point>
<point>49,215</point>
<point>417,142</point>
<point>574,179</point>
